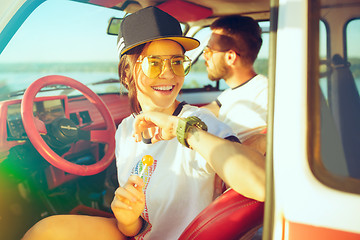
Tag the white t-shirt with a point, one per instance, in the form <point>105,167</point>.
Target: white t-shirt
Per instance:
<point>179,184</point>
<point>244,108</point>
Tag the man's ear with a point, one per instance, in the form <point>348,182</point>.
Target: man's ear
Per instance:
<point>230,57</point>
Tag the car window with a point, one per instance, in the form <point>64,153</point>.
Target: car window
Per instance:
<point>323,54</point>
<point>64,38</point>
<point>197,78</point>
<point>338,53</point>
<point>353,52</point>
<point>68,38</point>
<point>261,63</point>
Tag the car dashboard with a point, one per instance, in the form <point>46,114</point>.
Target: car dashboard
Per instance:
<point>46,109</point>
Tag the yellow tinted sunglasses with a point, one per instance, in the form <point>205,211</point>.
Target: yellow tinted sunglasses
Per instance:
<point>153,65</point>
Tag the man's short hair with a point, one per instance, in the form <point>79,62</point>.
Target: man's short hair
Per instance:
<point>246,33</point>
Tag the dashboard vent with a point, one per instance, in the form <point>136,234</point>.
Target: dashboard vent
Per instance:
<point>85,116</point>
<point>74,118</point>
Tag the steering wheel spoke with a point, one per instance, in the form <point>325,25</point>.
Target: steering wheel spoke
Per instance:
<point>40,126</point>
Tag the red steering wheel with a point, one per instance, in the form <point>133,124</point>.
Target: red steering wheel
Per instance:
<point>104,136</point>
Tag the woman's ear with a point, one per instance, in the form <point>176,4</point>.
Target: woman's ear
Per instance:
<point>126,78</point>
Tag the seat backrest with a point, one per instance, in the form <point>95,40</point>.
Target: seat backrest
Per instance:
<point>344,102</point>
<point>230,216</point>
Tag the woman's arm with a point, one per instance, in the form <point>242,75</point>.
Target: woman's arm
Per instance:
<point>258,142</point>
<point>128,204</point>
<point>241,167</point>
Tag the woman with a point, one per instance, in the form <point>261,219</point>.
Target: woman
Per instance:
<point>180,182</point>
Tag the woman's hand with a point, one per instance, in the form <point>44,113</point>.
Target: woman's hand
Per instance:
<point>129,202</point>
<point>159,126</point>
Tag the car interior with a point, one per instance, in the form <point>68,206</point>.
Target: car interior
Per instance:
<point>62,140</point>
<point>61,101</point>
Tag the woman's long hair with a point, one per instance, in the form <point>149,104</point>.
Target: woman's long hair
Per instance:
<point>127,76</point>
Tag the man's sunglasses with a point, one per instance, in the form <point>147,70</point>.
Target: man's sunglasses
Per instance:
<point>208,51</point>
<point>153,65</point>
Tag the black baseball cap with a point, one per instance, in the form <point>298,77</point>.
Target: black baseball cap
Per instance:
<point>150,24</point>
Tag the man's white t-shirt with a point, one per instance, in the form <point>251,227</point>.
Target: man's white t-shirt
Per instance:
<point>179,184</point>
<point>244,108</point>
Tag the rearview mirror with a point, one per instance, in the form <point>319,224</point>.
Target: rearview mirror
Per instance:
<point>114,26</point>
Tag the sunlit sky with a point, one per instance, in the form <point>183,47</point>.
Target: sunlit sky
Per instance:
<point>51,35</point>
<point>57,23</point>
<point>57,26</point>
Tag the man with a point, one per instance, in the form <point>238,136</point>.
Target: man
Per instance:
<point>230,54</point>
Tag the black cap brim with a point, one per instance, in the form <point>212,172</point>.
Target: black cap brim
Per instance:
<point>188,43</point>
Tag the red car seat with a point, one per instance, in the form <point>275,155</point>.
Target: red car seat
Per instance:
<point>230,216</point>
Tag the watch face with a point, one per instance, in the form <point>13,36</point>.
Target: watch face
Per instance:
<point>201,125</point>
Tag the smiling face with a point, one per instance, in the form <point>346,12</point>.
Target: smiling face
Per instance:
<point>159,94</point>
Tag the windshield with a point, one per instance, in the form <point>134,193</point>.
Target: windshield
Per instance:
<point>70,39</point>
<point>62,38</point>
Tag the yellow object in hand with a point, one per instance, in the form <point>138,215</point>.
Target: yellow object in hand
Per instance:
<point>147,160</point>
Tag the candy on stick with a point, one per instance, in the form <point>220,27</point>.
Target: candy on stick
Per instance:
<point>147,160</point>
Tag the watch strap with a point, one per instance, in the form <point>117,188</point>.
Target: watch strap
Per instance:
<point>184,126</point>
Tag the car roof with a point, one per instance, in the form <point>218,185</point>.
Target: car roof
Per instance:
<point>195,9</point>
